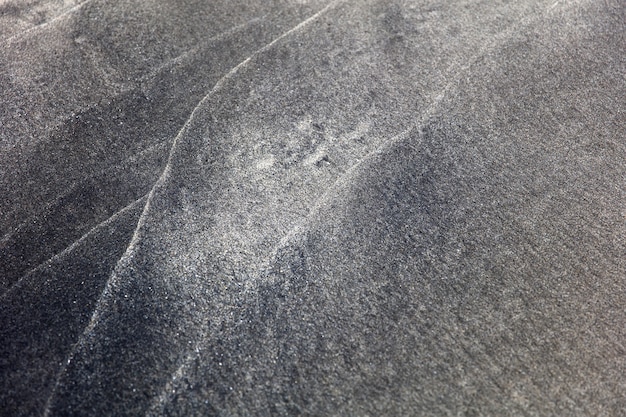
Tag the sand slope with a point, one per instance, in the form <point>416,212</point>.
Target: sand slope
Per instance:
<point>319,208</point>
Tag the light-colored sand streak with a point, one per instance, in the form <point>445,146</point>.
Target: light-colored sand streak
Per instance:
<point>68,250</point>
<point>71,247</point>
<point>43,25</point>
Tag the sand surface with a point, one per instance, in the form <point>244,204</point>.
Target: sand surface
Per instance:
<point>369,207</point>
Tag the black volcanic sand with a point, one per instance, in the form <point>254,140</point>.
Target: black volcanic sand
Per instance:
<point>319,208</point>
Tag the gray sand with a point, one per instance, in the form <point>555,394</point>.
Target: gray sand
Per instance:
<point>313,208</point>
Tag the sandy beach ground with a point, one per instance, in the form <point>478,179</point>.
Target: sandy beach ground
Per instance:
<point>291,207</point>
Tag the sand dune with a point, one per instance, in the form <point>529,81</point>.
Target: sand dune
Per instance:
<point>322,208</point>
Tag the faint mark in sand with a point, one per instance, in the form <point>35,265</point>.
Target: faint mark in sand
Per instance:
<point>361,129</point>
<point>305,125</point>
<point>318,158</point>
<point>266,162</point>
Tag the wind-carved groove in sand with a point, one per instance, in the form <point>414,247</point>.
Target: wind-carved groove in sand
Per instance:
<point>73,245</point>
<point>497,42</point>
<point>72,351</point>
<point>46,23</point>
<point>159,183</point>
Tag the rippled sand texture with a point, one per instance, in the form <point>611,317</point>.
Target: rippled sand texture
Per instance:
<point>291,207</point>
